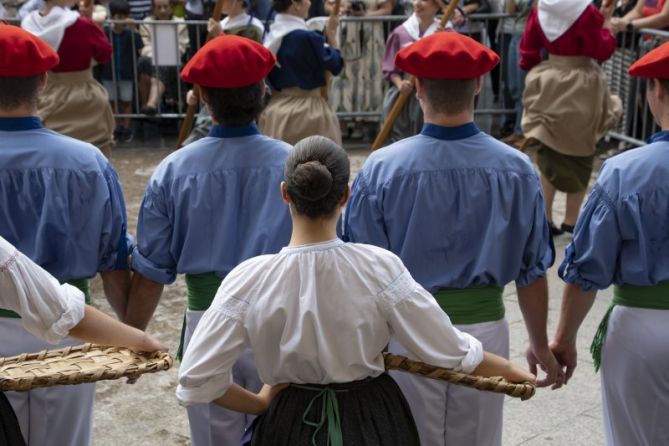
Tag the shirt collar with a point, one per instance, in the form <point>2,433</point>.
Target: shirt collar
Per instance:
<point>450,133</point>
<point>19,124</point>
<point>218,131</point>
<point>659,136</point>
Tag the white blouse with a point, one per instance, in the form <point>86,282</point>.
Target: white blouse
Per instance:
<point>318,314</point>
<point>48,309</point>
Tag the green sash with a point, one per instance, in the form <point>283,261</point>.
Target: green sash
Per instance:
<point>82,284</point>
<point>472,305</point>
<point>201,290</point>
<point>652,297</point>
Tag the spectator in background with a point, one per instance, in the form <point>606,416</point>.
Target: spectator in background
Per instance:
<point>154,84</point>
<point>74,103</point>
<point>514,74</point>
<point>118,77</point>
<point>646,14</point>
<point>139,9</point>
<point>421,23</point>
<point>28,7</point>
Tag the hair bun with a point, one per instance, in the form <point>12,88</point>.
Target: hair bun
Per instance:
<point>312,180</point>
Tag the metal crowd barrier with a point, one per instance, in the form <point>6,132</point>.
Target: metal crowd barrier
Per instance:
<point>357,93</point>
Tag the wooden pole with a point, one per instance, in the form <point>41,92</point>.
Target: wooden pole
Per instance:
<point>328,75</point>
<point>190,111</point>
<point>402,99</point>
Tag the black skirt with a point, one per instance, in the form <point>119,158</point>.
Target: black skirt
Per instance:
<point>10,432</point>
<point>371,412</point>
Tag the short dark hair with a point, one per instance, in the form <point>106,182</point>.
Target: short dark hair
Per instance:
<point>119,7</point>
<point>664,82</point>
<point>19,91</point>
<point>450,96</point>
<point>316,175</point>
<point>282,5</point>
<point>235,107</point>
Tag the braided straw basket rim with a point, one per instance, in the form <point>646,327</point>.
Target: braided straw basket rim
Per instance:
<point>496,384</point>
<point>84,363</point>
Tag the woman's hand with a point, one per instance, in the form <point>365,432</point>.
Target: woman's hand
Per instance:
<point>214,27</point>
<point>191,99</point>
<point>331,30</point>
<point>405,87</point>
<point>268,393</point>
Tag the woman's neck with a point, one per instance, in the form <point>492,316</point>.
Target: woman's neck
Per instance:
<point>307,231</point>
<point>424,23</point>
<point>236,12</point>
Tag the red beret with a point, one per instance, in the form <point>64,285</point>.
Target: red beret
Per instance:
<point>229,61</point>
<point>446,55</point>
<point>23,54</point>
<point>653,64</point>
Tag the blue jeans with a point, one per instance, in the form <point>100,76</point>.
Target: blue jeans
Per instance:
<point>515,78</point>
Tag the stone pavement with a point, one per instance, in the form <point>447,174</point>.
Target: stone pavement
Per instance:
<point>147,413</point>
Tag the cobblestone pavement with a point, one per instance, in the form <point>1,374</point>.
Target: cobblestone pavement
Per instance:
<point>147,413</point>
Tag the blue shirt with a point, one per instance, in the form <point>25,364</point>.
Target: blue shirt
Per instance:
<point>302,61</point>
<point>457,206</point>
<point>60,201</point>
<point>213,204</point>
<point>622,233</point>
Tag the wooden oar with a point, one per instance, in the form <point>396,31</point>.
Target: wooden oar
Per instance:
<point>190,111</point>
<point>328,75</point>
<point>402,99</point>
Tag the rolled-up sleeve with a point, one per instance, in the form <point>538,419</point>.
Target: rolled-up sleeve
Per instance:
<point>539,251</point>
<point>591,258</point>
<point>115,242</point>
<point>217,343</point>
<point>364,222</point>
<point>153,258</point>
<point>48,309</point>
<point>422,327</point>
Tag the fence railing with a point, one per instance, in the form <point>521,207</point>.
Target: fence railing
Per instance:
<point>154,56</point>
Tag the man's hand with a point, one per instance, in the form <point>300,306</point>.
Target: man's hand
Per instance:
<point>565,353</point>
<point>543,357</point>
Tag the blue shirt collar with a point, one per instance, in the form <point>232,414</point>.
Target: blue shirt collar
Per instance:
<point>19,124</point>
<point>659,136</point>
<point>450,133</point>
<point>218,131</point>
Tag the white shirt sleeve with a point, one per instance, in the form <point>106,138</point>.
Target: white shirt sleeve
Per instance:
<point>48,309</point>
<point>218,341</point>
<point>424,329</point>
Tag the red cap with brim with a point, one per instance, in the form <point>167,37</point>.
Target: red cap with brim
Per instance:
<point>23,54</point>
<point>446,55</point>
<point>229,61</point>
<point>655,64</point>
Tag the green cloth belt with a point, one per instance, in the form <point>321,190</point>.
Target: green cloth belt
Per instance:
<point>472,305</point>
<point>652,297</point>
<point>83,284</point>
<point>201,290</point>
<point>329,414</point>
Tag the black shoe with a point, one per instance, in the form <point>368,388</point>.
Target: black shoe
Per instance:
<point>555,230</point>
<point>149,110</point>
<point>567,228</point>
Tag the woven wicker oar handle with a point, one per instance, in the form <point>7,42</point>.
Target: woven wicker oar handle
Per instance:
<point>523,391</point>
<point>78,364</point>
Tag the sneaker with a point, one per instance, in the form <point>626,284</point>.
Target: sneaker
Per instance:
<point>125,135</point>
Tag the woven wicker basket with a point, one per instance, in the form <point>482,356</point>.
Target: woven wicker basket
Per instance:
<point>84,363</point>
